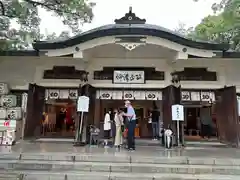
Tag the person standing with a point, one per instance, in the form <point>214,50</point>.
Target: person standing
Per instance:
<point>149,125</point>
<point>118,124</point>
<point>131,118</point>
<point>69,119</point>
<point>206,122</point>
<point>61,119</point>
<point>155,122</point>
<point>45,122</point>
<point>107,128</point>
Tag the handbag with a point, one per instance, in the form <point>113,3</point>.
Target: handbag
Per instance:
<point>125,132</point>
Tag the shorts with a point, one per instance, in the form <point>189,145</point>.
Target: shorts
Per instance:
<point>106,134</point>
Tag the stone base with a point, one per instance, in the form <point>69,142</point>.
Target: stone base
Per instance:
<point>24,175</point>
<point>77,144</point>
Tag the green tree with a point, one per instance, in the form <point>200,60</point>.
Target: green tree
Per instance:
<point>73,13</point>
<point>223,27</point>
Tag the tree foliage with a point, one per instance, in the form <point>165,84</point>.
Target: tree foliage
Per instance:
<point>54,36</point>
<point>222,27</point>
<point>73,13</point>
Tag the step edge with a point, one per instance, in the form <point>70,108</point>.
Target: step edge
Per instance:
<point>119,164</point>
<point>118,174</point>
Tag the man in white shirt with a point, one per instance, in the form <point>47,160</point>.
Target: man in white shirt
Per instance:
<point>131,117</point>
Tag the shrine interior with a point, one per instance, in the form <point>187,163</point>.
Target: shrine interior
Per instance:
<point>58,120</point>
<point>192,124</point>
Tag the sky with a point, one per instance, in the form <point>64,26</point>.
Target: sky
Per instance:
<point>165,13</point>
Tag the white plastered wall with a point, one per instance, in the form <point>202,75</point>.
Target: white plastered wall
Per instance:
<point>19,71</point>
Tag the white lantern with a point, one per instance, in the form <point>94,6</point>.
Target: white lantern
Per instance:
<point>8,100</point>
<point>63,94</point>
<point>186,96</point>
<point>151,95</point>
<point>105,94</point>
<point>14,113</point>
<point>53,93</point>
<point>195,96</point>
<point>3,113</point>
<point>139,95</point>
<point>73,94</point>
<point>205,96</point>
<point>4,89</point>
<point>117,95</point>
<point>128,95</point>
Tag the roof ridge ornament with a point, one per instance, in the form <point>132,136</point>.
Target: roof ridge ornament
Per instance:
<point>130,18</point>
<point>130,42</point>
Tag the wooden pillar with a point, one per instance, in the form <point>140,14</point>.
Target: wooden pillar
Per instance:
<point>227,116</point>
<point>89,91</point>
<point>35,104</point>
<point>171,95</point>
<point>167,105</point>
<point>97,114</point>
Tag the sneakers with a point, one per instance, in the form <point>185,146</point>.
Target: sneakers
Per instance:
<point>117,147</point>
<point>131,149</point>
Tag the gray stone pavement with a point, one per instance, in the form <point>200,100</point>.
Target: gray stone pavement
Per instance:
<point>62,161</point>
<point>143,151</point>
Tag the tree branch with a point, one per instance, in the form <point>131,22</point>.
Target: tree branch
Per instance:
<point>48,7</point>
<point>2,8</point>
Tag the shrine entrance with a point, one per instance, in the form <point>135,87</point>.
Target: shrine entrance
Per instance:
<point>223,114</point>
<point>192,124</point>
<point>49,114</point>
<point>59,118</point>
<point>142,110</point>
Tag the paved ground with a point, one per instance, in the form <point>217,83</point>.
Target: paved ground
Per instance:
<point>61,161</point>
<point>192,150</point>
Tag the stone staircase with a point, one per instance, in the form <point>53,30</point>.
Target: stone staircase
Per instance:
<point>55,166</point>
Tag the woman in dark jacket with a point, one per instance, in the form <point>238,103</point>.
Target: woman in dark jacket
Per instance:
<point>155,121</point>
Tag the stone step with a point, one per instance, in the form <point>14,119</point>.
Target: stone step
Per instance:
<point>10,176</point>
<point>69,175</point>
<point>38,165</point>
<point>132,158</point>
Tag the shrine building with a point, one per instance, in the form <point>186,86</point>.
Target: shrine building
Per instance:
<point>128,59</point>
